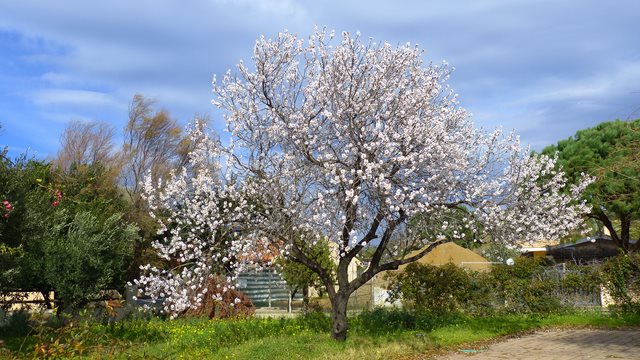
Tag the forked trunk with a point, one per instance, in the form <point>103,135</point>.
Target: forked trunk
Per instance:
<point>339,316</point>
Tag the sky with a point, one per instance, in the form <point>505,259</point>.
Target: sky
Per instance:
<point>543,68</point>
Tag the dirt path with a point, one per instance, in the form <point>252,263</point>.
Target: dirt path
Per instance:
<point>561,345</point>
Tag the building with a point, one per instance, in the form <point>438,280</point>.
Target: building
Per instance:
<point>582,251</point>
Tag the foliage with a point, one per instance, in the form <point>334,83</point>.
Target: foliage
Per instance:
<point>87,255</point>
<point>439,290</point>
<point>610,152</point>
<point>21,225</point>
<point>15,324</point>
<point>84,143</point>
<point>581,277</point>
<point>621,276</point>
<point>532,286</point>
<point>68,228</point>
<point>153,145</point>
<point>527,287</point>
<point>298,276</point>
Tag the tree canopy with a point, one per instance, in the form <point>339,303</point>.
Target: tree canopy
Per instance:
<point>610,151</point>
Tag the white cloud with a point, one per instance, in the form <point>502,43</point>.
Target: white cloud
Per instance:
<point>81,98</point>
<point>59,79</point>
<point>621,78</point>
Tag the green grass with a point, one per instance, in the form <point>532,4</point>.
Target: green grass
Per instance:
<point>373,335</point>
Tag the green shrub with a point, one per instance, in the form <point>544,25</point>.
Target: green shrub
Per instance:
<point>621,276</point>
<point>525,287</point>
<point>441,290</point>
<point>530,286</point>
<point>87,255</point>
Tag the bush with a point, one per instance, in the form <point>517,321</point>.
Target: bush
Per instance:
<point>15,324</point>
<point>86,256</point>
<point>525,287</point>
<point>441,290</point>
<point>621,276</point>
<point>62,230</point>
<point>530,286</point>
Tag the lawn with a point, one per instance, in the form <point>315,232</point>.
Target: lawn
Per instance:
<point>373,335</point>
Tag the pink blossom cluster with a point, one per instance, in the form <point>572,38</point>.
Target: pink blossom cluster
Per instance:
<point>57,197</point>
<point>7,207</point>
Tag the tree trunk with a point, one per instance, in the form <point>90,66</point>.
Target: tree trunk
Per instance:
<point>305,299</point>
<point>47,300</point>
<point>339,316</point>
<point>606,221</point>
<point>625,226</point>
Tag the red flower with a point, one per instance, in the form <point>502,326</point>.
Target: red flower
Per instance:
<point>6,216</point>
<point>55,203</point>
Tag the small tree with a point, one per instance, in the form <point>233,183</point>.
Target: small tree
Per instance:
<point>26,208</point>
<point>153,145</point>
<point>200,212</point>
<point>85,143</point>
<point>301,277</point>
<point>349,143</point>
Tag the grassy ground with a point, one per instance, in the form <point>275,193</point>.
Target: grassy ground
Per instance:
<point>377,335</point>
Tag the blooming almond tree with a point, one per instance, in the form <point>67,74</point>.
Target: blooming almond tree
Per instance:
<point>349,141</point>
